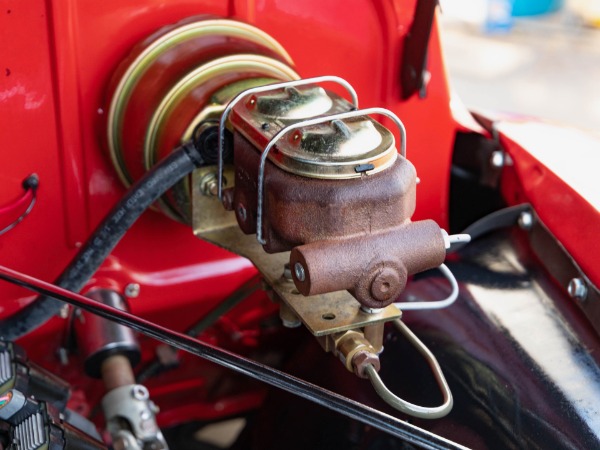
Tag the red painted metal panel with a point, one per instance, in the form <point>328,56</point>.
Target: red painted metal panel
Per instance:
<point>57,61</point>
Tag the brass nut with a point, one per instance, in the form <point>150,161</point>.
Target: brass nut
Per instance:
<point>362,359</point>
<point>350,343</point>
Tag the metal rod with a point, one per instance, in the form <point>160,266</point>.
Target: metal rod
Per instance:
<point>308,123</point>
<point>273,377</point>
<point>266,88</point>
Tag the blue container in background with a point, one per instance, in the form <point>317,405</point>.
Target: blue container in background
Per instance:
<point>522,8</point>
<point>501,13</point>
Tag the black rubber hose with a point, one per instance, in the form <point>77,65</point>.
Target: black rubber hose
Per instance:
<point>503,218</point>
<point>106,236</point>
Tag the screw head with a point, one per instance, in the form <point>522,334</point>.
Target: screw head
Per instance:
<point>526,220</point>
<point>299,271</point>
<point>64,312</point>
<point>132,290</point>
<point>577,289</point>
<point>140,392</point>
<point>497,159</point>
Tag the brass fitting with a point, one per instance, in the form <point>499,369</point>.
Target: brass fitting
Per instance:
<point>353,350</point>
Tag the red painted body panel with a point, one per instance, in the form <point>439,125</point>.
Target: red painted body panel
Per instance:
<point>57,61</point>
<point>557,171</point>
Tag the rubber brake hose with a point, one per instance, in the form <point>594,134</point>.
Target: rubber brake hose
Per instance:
<point>106,236</point>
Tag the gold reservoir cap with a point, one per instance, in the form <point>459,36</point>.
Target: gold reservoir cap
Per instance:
<point>337,149</point>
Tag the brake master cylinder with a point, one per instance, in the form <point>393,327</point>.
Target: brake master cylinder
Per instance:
<point>333,189</point>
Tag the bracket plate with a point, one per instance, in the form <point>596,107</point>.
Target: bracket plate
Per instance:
<point>321,314</point>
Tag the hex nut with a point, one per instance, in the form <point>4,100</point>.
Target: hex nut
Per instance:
<point>526,220</point>
<point>577,289</point>
<point>132,290</point>
<point>362,359</point>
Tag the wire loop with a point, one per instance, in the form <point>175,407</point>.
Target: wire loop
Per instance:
<point>401,405</point>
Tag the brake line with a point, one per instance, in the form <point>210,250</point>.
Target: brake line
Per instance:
<point>253,369</point>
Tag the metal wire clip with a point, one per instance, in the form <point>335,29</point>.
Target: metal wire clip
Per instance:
<point>266,88</point>
<point>307,123</point>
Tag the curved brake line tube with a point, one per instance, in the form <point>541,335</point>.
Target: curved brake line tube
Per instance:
<point>267,88</point>
<point>401,405</point>
<point>439,304</point>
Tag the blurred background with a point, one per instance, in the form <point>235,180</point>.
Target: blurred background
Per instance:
<point>533,57</point>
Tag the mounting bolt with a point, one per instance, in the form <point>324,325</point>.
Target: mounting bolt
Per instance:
<point>526,220</point>
<point>497,159</point>
<point>289,319</point>
<point>242,214</point>
<point>140,392</point>
<point>132,290</point>
<point>287,272</point>
<point>209,185</point>
<point>577,289</point>
<point>299,271</point>
<point>63,313</point>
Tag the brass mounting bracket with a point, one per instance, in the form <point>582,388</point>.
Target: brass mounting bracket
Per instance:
<point>321,314</point>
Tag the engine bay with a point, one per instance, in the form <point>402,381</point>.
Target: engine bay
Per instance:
<point>276,216</point>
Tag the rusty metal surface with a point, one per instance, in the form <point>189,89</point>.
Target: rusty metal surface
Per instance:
<point>374,267</point>
<point>321,314</point>
<point>352,234</point>
<point>300,210</point>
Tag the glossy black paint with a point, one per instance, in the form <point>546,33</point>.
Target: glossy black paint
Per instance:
<point>517,354</point>
<point>240,364</point>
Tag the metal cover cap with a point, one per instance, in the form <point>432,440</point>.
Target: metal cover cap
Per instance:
<point>336,149</point>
